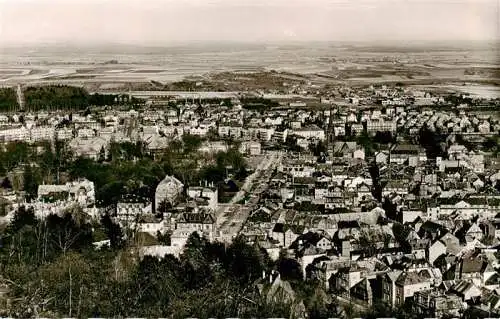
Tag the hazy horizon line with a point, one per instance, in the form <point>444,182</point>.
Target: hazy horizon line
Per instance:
<point>371,42</point>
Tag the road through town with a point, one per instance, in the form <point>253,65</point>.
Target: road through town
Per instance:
<point>232,216</point>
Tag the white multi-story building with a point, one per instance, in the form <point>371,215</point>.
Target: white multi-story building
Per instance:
<point>63,134</point>
<point>201,222</point>
<point>199,130</point>
<point>260,133</point>
<point>373,126</point>
<point>42,133</point>
<point>213,147</point>
<point>230,131</point>
<point>251,147</point>
<point>130,212</point>
<point>311,132</point>
<point>15,134</point>
<point>86,132</point>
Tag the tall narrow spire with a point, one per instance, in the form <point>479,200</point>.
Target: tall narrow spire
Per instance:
<point>20,97</point>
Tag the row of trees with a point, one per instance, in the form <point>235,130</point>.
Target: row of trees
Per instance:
<point>8,99</point>
<point>220,101</point>
<point>57,97</point>
<point>61,97</point>
<point>258,103</point>
<point>40,163</point>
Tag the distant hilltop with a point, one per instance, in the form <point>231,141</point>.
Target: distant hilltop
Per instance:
<point>111,62</point>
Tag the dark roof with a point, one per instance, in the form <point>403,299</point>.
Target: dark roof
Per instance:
<point>297,229</point>
<point>307,238</point>
<point>279,228</point>
<point>462,231</point>
<point>282,228</point>
<point>320,259</point>
<point>348,224</point>
<point>473,265</point>
<point>340,210</point>
<point>260,215</point>
<point>493,280</point>
<point>231,186</point>
<point>406,149</point>
<point>431,227</point>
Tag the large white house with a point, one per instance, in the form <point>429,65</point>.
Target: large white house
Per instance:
<point>310,132</point>
<point>169,190</point>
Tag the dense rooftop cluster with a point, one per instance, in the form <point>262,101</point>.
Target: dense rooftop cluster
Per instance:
<point>386,202</point>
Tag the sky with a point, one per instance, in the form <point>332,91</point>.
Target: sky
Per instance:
<point>164,22</point>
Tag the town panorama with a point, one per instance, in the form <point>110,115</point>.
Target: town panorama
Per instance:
<point>250,180</point>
